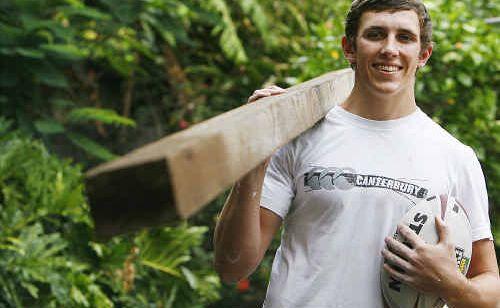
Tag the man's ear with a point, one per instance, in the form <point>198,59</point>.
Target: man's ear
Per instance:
<point>349,50</point>
<point>425,54</point>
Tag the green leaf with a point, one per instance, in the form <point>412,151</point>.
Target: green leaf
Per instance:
<point>30,53</point>
<point>10,35</point>
<point>49,127</point>
<point>255,10</point>
<point>476,57</point>
<point>78,297</point>
<point>452,56</point>
<point>98,248</point>
<point>465,79</point>
<point>229,41</point>
<point>31,288</point>
<point>173,295</point>
<point>49,75</point>
<point>62,103</point>
<point>163,30</point>
<point>30,23</point>
<point>65,51</point>
<point>91,147</point>
<point>56,80</point>
<point>190,277</point>
<point>107,116</point>
<point>161,267</point>
<point>84,11</point>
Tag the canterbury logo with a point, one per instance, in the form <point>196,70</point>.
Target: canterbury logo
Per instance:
<point>347,178</point>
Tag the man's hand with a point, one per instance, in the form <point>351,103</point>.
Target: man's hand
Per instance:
<point>272,90</point>
<point>425,267</point>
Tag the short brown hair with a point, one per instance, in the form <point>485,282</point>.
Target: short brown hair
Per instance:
<point>358,7</point>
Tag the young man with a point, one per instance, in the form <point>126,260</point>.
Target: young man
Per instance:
<point>341,187</point>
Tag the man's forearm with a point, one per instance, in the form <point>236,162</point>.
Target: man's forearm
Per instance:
<point>481,291</point>
<point>237,238</point>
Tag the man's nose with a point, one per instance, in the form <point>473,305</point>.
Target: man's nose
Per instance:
<point>390,47</point>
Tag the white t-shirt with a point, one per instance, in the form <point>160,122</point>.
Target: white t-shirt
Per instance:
<point>342,186</point>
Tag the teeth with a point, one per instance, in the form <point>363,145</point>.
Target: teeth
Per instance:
<point>387,68</point>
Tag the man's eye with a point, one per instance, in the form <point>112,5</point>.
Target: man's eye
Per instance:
<point>374,35</point>
<point>405,37</point>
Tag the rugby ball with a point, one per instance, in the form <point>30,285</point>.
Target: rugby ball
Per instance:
<point>421,219</point>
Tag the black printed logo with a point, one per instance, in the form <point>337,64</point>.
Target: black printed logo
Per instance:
<point>347,178</point>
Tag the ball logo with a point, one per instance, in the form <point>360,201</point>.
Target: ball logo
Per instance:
<point>419,220</point>
<point>394,284</point>
<point>462,260</point>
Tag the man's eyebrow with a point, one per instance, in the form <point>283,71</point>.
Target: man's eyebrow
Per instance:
<point>380,28</point>
<point>376,28</point>
<point>408,31</point>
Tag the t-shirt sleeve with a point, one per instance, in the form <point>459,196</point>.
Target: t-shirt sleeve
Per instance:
<point>278,187</point>
<point>471,192</point>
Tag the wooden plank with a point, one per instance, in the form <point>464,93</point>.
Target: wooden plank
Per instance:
<point>176,176</point>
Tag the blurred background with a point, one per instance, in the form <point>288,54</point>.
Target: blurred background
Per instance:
<point>82,82</point>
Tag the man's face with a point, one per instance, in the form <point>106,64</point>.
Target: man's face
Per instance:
<point>387,51</point>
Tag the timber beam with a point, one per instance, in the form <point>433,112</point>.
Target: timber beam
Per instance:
<point>174,177</point>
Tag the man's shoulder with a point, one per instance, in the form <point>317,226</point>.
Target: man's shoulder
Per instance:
<point>440,136</point>
<point>309,137</point>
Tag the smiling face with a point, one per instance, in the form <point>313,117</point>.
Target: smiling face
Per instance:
<point>388,52</point>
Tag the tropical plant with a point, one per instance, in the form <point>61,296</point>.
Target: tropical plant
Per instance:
<point>48,256</point>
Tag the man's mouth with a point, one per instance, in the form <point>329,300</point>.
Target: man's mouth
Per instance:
<point>387,68</point>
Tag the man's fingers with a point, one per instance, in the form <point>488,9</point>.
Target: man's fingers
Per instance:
<point>269,91</point>
<point>396,274</point>
<point>410,236</point>
<point>398,248</point>
<point>442,230</point>
<point>396,261</point>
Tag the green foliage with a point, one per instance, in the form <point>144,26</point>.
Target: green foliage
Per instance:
<point>229,40</point>
<point>97,114</point>
<point>173,259</point>
<point>48,258</point>
<point>257,14</point>
<point>41,200</point>
<point>81,54</point>
<point>91,146</point>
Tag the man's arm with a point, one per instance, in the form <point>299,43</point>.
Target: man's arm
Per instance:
<point>244,230</point>
<point>482,289</point>
<point>432,269</point>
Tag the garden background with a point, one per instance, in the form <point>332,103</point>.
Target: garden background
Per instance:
<point>84,81</point>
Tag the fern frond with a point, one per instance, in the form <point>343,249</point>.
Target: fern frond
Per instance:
<point>229,41</point>
<point>259,17</point>
<point>295,13</point>
<point>107,116</point>
<point>163,268</point>
<point>91,147</point>
<point>48,127</point>
<point>168,249</point>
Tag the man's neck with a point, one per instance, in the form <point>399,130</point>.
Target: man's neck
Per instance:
<point>380,106</point>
